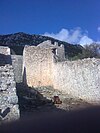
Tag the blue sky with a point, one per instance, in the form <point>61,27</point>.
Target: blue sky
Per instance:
<point>75,21</point>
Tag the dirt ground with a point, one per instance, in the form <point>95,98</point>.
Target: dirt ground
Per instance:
<point>43,99</point>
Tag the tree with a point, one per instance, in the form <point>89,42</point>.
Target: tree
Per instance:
<point>93,50</point>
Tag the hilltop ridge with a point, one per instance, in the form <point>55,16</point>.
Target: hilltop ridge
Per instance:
<point>21,39</point>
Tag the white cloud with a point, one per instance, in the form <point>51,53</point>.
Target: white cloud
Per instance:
<point>62,35</point>
<point>85,40</point>
<point>74,36</point>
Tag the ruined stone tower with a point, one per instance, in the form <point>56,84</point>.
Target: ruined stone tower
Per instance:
<point>38,62</point>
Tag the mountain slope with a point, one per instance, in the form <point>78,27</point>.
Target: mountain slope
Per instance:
<point>17,42</point>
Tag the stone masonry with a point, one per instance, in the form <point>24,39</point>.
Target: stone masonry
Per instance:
<point>36,57</point>
<point>8,98</point>
<point>79,78</point>
<point>4,50</point>
<point>5,57</point>
<point>38,63</point>
<point>43,66</point>
<point>9,109</point>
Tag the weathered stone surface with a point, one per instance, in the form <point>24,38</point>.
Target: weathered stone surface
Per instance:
<point>37,63</point>
<point>9,112</point>
<point>9,109</point>
<point>5,57</point>
<point>69,80</point>
<point>80,78</point>
<point>4,50</point>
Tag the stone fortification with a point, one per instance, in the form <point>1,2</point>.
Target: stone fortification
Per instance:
<point>79,78</point>
<point>4,50</point>
<point>5,57</point>
<point>58,50</point>
<point>37,66</point>
<point>8,98</point>
<point>37,63</point>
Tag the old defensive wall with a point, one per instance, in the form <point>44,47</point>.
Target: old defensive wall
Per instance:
<point>45,65</point>
<point>79,78</point>
<point>9,108</point>
<point>38,63</point>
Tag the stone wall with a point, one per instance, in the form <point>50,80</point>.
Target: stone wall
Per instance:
<point>4,50</point>
<point>58,50</point>
<point>17,61</point>
<point>38,62</point>
<point>9,109</point>
<point>5,57</point>
<point>37,66</point>
<point>79,78</point>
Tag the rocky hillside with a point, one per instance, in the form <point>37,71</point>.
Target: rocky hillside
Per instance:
<point>17,42</point>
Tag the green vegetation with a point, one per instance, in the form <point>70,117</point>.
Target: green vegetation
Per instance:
<point>17,42</point>
<point>16,50</point>
<point>89,51</point>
